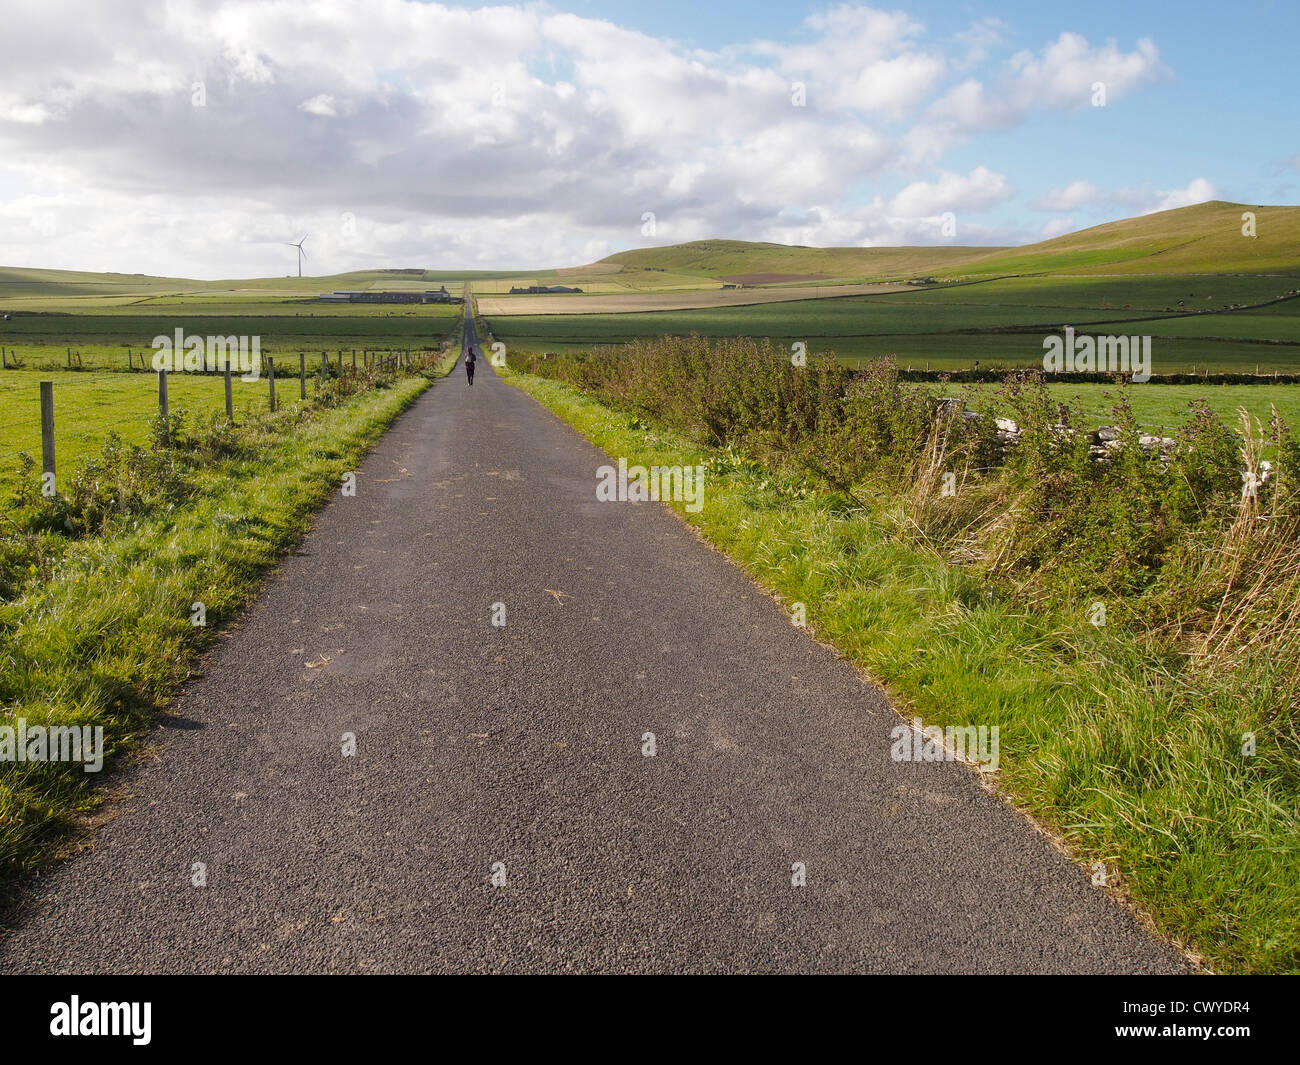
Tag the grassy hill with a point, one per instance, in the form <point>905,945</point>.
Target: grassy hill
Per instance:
<point>1188,277</point>
<point>734,258</point>
<point>78,291</point>
<point>28,281</point>
<point>1203,239</point>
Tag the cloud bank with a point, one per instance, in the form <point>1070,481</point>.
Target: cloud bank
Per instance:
<point>194,138</point>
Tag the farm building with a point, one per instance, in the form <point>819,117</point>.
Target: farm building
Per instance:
<point>373,296</point>
<point>540,290</point>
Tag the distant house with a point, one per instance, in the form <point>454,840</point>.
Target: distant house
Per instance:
<point>540,290</point>
<point>375,296</point>
<point>729,284</point>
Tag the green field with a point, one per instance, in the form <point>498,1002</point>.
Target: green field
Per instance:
<point>1212,298</point>
<point>1111,296</point>
<point>1187,277</point>
<point>998,323</point>
<point>63,291</point>
<point>1162,408</point>
<point>87,406</point>
<point>308,329</point>
<point>77,357</point>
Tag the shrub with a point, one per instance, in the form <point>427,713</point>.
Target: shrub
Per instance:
<point>1162,530</point>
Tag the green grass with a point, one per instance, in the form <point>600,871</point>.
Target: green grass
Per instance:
<point>1110,296</point>
<point>995,323</point>
<point>813,319</point>
<point>1266,324</point>
<point>103,636</point>
<point>55,358</point>
<point>87,406</point>
<point>960,352</point>
<point>328,327</point>
<point>24,289</point>
<point>1205,238</point>
<point>1165,407</point>
<point>1108,747</point>
<point>1202,239</point>
<point>724,258</point>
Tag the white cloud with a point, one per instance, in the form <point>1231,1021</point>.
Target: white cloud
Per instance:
<point>552,148</point>
<point>322,105</point>
<point>979,39</point>
<point>1076,194</point>
<point>1055,227</point>
<point>1197,191</point>
<point>891,85</point>
<point>1060,77</point>
<point>977,191</point>
<point>872,225</point>
<point>22,111</point>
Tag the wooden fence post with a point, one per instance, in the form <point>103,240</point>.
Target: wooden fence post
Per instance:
<point>270,380</point>
<point>324,368</point>
<point>47,427</point>
<point>302,375</point>
<point>230,399</point>
<point>164,409</point>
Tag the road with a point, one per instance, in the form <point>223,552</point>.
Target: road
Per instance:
<point>515,752</point>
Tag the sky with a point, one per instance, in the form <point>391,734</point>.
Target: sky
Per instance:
<point>194,139</point>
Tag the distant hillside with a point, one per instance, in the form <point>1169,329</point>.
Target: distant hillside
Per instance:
<point>736,258</point>
<point>1205,238</point>
<point>26,289</point>
<point>17,282</point>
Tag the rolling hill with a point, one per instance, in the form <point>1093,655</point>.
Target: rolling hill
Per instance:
<point>724,259</point>
<point>1203,239</point>
<point>72,291</point>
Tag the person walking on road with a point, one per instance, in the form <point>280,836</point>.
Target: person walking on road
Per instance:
<point>469,363</point>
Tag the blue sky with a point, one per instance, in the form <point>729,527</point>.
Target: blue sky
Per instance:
<point>399,132</point>
<point>1230,112</point>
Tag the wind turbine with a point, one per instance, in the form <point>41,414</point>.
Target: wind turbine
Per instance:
<point>301,253</point>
